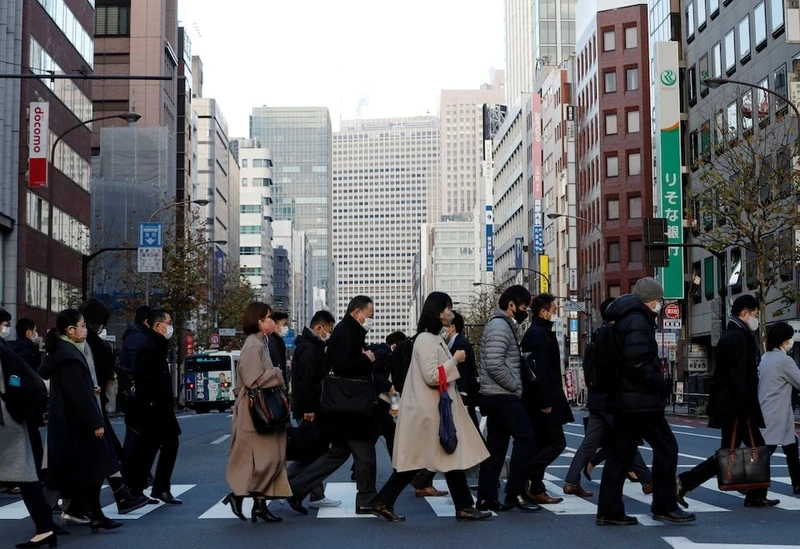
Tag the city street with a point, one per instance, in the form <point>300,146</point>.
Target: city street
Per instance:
<point>202,521</point>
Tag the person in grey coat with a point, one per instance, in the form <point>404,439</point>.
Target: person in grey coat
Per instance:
<point>778,373</point>
<point>501,402</point>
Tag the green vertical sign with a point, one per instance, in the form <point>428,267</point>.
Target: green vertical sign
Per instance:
<point>668,149</point>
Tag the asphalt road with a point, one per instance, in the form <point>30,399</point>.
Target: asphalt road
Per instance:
<point>202,522</point>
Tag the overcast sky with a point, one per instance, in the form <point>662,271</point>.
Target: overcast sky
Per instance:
<point>362,58</point>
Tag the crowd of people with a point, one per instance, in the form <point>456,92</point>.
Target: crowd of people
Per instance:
<point>399,390</point>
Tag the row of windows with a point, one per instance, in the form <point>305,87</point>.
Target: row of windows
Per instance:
<point>71,27</point>
<point>635,252</point>
<point>777,23</point>
<point>631,80</point>
<point>250,250</point>
<point>258,163</point>
<point>36,292</point>
<point>113,20</point>
<point>70,231</point>
<point>634,208</point>
<point>610,39</point>
<point>37,212</point>
<point>634,164</point>
<point>257,182</point>
<point>71,164</point>
<point>65,89</point>
<point>249,208</point>
<point>633,124</point>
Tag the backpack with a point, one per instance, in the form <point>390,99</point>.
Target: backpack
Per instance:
<point>400,362</point>
<point>25,393</point>
<point>602,360</point>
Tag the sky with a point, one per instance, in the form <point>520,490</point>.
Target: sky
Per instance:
<point>359,58</point>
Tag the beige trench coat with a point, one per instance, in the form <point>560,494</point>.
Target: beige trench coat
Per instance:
<point>257,463</point>
<point>416,440</point>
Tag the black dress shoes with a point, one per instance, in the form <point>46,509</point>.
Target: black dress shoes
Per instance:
<point>131,503</point>
<point>364,511</point>
<point>624,520</point>
<point>382,510</point>
<point>521,504</point>
<point>168,498</point>
<point>678,515</point>
<point>295,503</point>
<point>472,514</point>
<point>492,505</point>
<point>762,502</point>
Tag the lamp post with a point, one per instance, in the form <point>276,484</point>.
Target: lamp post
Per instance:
<point>542,275</point>
<point>556,215</point>
<point>86,259</point>
<point>199,202</point>
<point>131,118</point>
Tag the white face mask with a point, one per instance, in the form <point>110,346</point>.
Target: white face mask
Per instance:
<point>444,333</point>
<point>170,331</point>
<point>753,323</point>
<point>657,308</point>
<point>368,324</point>
<point>555,319</point>
<point>788,348</point>
<point>5,331</point>
<point>103,333</point>
<point>284,331</point>
<point>35,337</point>
<point>325,337</point>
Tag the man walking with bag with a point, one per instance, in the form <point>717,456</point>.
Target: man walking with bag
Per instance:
<point>733,402</point>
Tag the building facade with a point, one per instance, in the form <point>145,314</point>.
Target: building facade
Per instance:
<point>453,247</point>
<point>300,141</point>
<point>520,48</point>
<point>384,171</point>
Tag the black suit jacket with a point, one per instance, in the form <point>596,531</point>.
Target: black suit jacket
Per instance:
<point>468,370</point>
<point>151,410</point>
<point>548,391</point>
<point>277,351</point>
<point>309,367</point>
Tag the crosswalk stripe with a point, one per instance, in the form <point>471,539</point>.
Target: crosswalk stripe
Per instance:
<point>634,492</point>
<point>222,511</point>
<point>346,493</point>
<point>647,520</point>
<point>572,505</point>
<point>13,511</point>
<point>788,503</point>
<point>111,510</point>
<point>221,439</point>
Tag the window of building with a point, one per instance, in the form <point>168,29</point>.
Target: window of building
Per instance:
<point>703,68</point>
<point>730,52</point>
<point>612,209</point>
<point>631,38</point>
<point>713,8</point>
<point>705,138</point>
<point>634,124</point>
<point>732,121</point>
<point>635,207</point>
<point>609,42</point>
<point>112,19</point>
<point>691,84</point>
<point>250,250</point>
<point>760,25</point>
<point>780,87</point>
<point>690,21</point>
<point>747,112</point>
<point>634,163</point>
<point>744,39</point>
<point>611,124</point>
<point>610,81</point>
<point>762,99</point>
<point>250,229</point>
<point>244,162</point>
<point>244,182</point>
<point>614,290</point>
<point>249,208</point>
<point>613,252</point>
<point>716,60</point>
<point>777,16</point>
<point>636,251</point>
<point>701,15</point>
<point>612,166</point>
<point>632,79</point>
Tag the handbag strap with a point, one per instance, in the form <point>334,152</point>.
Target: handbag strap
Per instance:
<point>750,431</point>
<point>442,380</point>
<point>733,434</point>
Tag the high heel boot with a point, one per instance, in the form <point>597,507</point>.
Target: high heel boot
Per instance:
<point>236,504</point>
<point>260,511</point>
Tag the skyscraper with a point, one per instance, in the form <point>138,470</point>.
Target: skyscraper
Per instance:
<point>520,48</point>
<point>383,173</point>
<point>300,141</point>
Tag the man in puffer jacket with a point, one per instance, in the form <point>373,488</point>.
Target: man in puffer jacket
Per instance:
<point>501,402</point>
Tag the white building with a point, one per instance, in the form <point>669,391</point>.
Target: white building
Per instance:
<point>255,216</point>
<point>454,248</point>
<point>520,49</point>
<point>293,280</point>
<point>384,173</point>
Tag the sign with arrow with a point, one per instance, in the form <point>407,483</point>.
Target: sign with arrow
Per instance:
<point>151,242</point>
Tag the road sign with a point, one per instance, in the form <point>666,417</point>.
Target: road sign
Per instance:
<point>666,339</point>
<point>189,345</point>
<point>150,260</point>
<point>227,332</point>
<point>150,235</point>
<point>573,306</point>
<point>214,341</point>
<point>673,324</point>
<point>673,311</point>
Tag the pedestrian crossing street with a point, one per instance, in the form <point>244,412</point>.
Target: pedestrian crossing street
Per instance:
<point>707,499</point>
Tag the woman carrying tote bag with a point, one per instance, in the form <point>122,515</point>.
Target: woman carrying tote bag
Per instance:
<point>257,463</point>
<point>417,444</point>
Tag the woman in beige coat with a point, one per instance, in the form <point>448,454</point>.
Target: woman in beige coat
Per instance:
<point>257,463</point>
<point>416,441</point>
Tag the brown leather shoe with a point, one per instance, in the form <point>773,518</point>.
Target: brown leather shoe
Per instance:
<point>430,492</point>
<point>647,488</point>
<point>542,499</point>
<point>577,490</point>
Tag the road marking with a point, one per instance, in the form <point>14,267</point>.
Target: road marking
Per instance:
<point>787,503</point>
<point>222,511</point>
<point>111,510</point>
<point>14,511</point>
<point>346,493</point>
<point>647,520</point>
<point>648,448</point>
<point>682,426</point>
<point>686,543</point>
<point>221,439</point>
<point>572,505</point>
<point>634,492</point>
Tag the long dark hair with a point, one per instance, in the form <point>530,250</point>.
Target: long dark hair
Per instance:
<point>65,319</point>
<point>430,318</point>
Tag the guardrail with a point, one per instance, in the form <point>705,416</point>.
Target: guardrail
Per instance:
<point>689,403</point>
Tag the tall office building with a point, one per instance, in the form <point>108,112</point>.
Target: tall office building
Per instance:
<point>383,173</point>
<point>461,115</point>
<point>520,48</point>
<point>300,141</point>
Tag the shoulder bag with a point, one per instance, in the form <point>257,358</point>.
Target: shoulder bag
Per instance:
<point>743,468</point>
<point>348,396</point>
<point>269,408</point>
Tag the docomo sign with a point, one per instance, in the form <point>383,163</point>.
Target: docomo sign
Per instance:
<point>673,311</point>
<point>38,138</point>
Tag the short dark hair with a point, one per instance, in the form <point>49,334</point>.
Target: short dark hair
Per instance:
<point>94,312</point>
<point>5,316</point>
<point>141,314</point>
<point>458,322</point>
<point>777,334</point>
<point>541,302</point>
<point>280,315</point>
<point>65,319</point>
<point>358,303</point>
<point>430,318</point>
<point>23,325</point>
<point>254,312</point>
<point>518,295</point>
<point>322,317</point>
<point>395,338</point>
<point>155,316</point>
<point>604,307</point>
<point>744,302</point>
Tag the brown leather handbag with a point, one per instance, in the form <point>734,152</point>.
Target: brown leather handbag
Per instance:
<point>743,468</point>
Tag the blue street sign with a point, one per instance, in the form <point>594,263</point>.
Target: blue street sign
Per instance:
<point>150,235</point>
<point>288,339</point>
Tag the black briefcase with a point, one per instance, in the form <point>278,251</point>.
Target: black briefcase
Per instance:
<point>743,468</point>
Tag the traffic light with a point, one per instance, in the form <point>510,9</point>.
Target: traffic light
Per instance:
<point>655,242</point>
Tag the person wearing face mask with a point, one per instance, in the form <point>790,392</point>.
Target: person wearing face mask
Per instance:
<point>501,402</point>
<point>347,357</point>
<point>733,399</point>
<point>637,404</point>
<point>545,399</point>
<point>277,345</point>
<point>151,414</point>
<point>308,370</point>
<point>467,383</point>
<point>778,374</point>
<point>5,324</point>
<point>79,453</point>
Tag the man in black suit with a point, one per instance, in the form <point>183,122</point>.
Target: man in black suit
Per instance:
<point>277,346</point>
<point>468,382</point>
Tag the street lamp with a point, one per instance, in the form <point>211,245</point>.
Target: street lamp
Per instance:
<point>131,118</point>
<point>556,215</point>
<point>546,278</point>
<point>717,82</point>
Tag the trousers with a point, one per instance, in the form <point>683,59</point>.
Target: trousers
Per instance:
<point>792,461</point>
<point>143,454</point>
<point>456,482</point>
